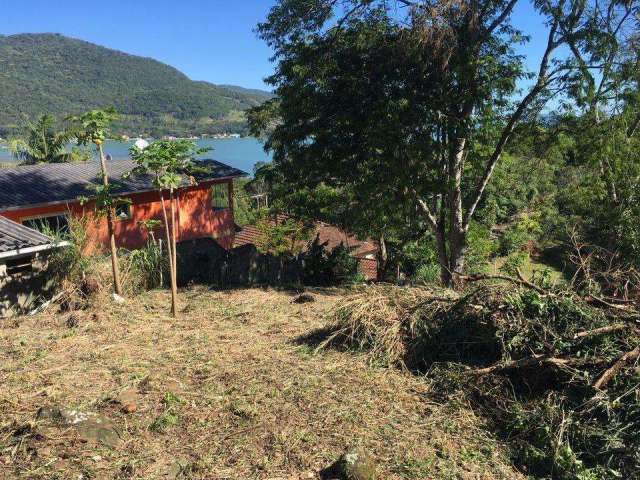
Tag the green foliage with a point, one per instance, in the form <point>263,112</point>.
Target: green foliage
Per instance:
<point>94,126</point>
<point>169,416</point>
<point>322,267</point>
<point>554,422</point>
<point>166,161</point>
<point>63,76</point>
<point>514,262</point>
<point>41,143</point>
<point>103,198</point>
<point>69,263</point>
<point>148,267</point>
<point>279,236</point>
<point>428,273</point>
<point>480,247</point>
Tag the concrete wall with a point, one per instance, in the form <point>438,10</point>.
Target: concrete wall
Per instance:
<point>18,292</point>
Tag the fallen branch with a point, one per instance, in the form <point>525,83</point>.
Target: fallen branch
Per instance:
<point>535,360</point>
<point>603,303</point>
<point>616,367</point>
<point>523,282</point>
<point>599,331</point>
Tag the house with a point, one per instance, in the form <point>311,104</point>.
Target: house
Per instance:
<point>330,236</point>
<point>48,195</point>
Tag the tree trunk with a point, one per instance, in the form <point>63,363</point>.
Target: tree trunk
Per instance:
<point>174,279</point>
<point>457,251</point>
<point>172,273</point>
<point>115,267</point>
<point>383,258</point>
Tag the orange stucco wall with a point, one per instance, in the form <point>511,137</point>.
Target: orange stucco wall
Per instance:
<point>195,217</point>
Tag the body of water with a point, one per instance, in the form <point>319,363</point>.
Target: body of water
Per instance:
<point>242,153</point>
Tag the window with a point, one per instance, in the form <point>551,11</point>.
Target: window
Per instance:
<point>52,224</point>
<point>220,196</point>
<point>123,211</point>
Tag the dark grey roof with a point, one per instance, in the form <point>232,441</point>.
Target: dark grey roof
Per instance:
<point>60,182</point>
<point>14,236</point>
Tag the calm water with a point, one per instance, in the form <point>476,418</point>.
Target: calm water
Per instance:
<point>242,153</point>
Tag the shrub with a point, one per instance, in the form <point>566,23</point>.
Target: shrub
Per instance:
<point>480,247</point>
<point>326,268</point>
<point>148,266</point>
<point>428,273</point>
<point>514,262</point>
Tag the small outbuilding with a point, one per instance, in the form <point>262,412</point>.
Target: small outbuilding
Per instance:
<point>23,253</point>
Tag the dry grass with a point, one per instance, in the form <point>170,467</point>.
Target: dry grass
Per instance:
<point>227,391</point>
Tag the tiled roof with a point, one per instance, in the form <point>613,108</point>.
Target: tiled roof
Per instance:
<point>14,236</point>
<point>59,182</point>
<point>328,235</point>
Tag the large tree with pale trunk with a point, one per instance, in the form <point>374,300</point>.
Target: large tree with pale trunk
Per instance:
<point>412,100</point>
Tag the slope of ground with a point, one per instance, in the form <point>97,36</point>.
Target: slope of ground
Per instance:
<point>227,391</point>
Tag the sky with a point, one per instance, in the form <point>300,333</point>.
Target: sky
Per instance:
<point>212,40</point>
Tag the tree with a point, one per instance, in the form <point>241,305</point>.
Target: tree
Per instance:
<point>42,143</point>
<point>167,161</point>
<point>413,101</point>
<point>93,127</point>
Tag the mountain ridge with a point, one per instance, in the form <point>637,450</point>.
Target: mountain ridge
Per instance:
<point>53,73</point>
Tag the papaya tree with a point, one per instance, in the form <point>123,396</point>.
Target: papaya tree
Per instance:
<point>93,127</point>
<point>168,162</point>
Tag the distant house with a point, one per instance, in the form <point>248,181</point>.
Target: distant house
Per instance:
<point>46,196</point>
<point>330,236</point>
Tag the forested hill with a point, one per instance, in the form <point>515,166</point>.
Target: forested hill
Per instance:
<point>51,73</point>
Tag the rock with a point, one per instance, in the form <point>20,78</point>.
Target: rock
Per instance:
<point>89,426</point>
<point>52,413</point>
<point>117,298</point>
<point>128,400</point>
<point>352,465</point>
<point>304,298</point>
<point>99,430</point>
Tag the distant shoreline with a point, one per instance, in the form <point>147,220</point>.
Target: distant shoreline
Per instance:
<point>238,152</point>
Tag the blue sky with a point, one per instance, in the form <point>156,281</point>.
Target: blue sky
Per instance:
<point>210,40</point>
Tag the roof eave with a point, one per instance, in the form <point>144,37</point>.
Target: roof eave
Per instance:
<point>134,192</point>
<point>19,252</point>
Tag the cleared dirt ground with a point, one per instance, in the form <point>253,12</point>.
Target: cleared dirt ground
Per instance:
<point>230,390</point>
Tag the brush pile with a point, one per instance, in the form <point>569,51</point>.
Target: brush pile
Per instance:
<point>555,373</point>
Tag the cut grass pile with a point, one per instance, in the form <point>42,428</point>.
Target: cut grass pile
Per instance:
<point>232,389</point>
<point>555,373</point>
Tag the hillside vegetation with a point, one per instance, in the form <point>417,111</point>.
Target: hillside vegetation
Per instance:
<point>50,73</point>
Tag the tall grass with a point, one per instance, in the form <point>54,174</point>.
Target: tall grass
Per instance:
<point>146,267</point>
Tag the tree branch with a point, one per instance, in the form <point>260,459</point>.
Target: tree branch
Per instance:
<point>616,367</point>
<point>511,124</point>
<point>521,281</point>
<point>616,327</point>
<point>505,13</point>
<point>532,361</point>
